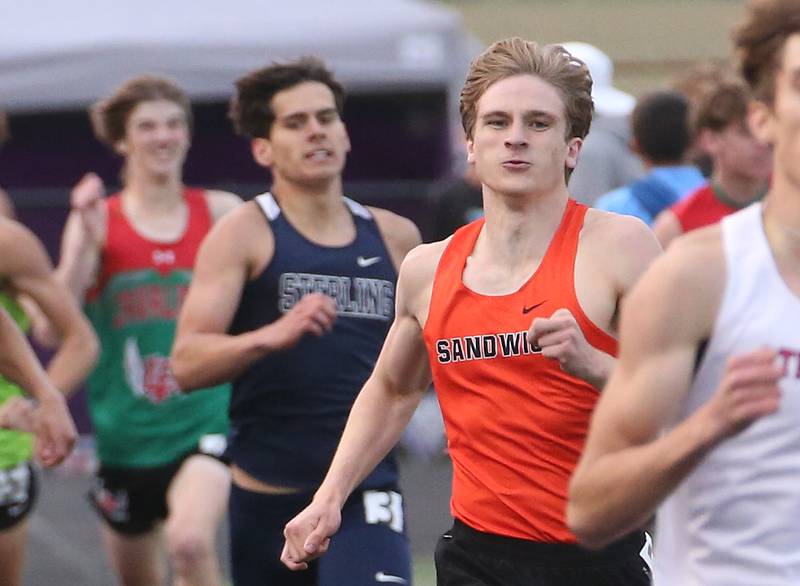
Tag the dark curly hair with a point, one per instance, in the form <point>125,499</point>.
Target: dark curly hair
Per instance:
<point>251,107</point>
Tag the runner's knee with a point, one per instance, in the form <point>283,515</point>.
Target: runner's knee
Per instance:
<point>187,547</point>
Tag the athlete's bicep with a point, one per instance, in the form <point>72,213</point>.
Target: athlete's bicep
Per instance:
<point>403,365</point>
<point>664,319</point>
<point>639,248</point>
<point>27,268</point>
<point>25,263</point>
<point>221,203</point>
<point>400,234</point>
<point>22,254</point>
<point>667,227</point>
<point>53,298</point>
<point>643,392</point>
<point>220,272</point>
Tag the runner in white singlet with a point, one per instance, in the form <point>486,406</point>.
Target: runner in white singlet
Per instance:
<point>702,414</point>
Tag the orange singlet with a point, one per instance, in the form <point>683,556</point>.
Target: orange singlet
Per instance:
<point>516,423</point>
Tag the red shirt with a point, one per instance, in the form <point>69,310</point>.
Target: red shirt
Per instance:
<point>701,208</point>
<point>126,250</point>
<point>516,423</point>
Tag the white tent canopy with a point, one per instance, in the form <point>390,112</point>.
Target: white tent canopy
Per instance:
<point>58,54</point>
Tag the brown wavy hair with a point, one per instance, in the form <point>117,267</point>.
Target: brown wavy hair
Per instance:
<point>110,116</point>
<point>723,106</point>
<point>760,40</point>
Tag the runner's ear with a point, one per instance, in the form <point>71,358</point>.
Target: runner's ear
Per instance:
<point>761,121</point>
<point>262,151</point>
<point>470,151</point>
<point>573,149</point>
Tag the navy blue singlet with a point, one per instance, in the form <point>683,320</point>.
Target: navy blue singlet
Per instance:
<point>288,409</point>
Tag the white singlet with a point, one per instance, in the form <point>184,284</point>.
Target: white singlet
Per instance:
<point>735,521</point>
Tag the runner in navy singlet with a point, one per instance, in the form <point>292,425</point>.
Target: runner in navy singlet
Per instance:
<point>292,297</point>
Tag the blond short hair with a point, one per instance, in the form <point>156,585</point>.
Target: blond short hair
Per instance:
<point>551,63</point>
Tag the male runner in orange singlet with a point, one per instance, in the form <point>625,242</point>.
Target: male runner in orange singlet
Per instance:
<point>513,317</point>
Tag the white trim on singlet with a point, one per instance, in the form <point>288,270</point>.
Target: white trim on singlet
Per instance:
<point>268,205</point>
<point>272,210</point>
<point>357,209</point>
<point>735,520</point>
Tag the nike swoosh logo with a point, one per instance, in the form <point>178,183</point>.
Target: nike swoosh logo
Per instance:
<point>532,307</point>
<point>388,578</point>
<point>367,262</point>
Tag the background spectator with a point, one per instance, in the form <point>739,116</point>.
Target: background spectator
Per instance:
<point>660,138</point>
<point>605,161</point>
<point>741,164</point>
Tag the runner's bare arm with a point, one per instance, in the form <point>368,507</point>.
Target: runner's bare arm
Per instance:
<point>76,271</point>
<point>399,233</point>
<point>7,206</point>
<point>628,467</point>
<point>379,415</point>
<point>221,202</point>
<point>204,354</point>
<point>615,251</point>
<point>634,247</point>
<point>25,265</point>
<point>84,236</point>
<point>52,424</point>
<point>667,228</point>
<point>19,364</point>
<point>390,395</point>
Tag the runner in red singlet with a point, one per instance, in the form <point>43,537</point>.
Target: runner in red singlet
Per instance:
<point>741,164</point>
<point>161,489</point>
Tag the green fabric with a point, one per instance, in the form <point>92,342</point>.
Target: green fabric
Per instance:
<point>15,447</point>
<point>140,417</point>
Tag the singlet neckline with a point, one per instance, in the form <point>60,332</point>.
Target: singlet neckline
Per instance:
<point>773,263</point>
<point>307,240</point>
<point>132,227</point>
<point>723,198</point>
<point>549,252</point>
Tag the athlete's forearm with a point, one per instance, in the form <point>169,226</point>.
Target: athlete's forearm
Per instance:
<point>79,258</point>
<point>617,492</point>
<point>201,360</point>
<point>19,364</point>
<point>76,356</point>
<point>75,275</point>
<point>600,369</point>
<point>376,422</point>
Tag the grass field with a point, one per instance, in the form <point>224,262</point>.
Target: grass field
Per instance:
<point>424,574</point>
<point>649,40</point>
